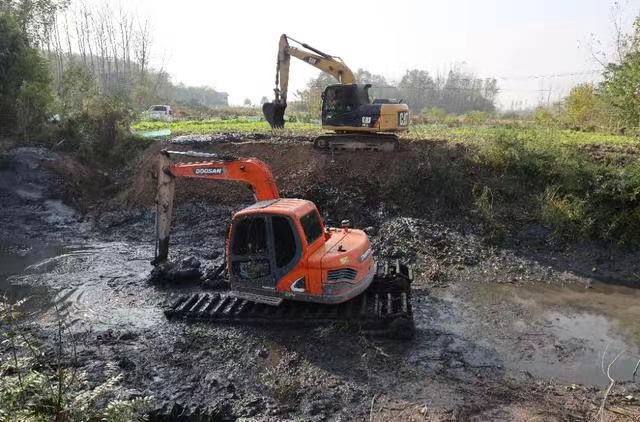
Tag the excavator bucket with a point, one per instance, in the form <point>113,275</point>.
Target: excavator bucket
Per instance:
<point>274,114</point>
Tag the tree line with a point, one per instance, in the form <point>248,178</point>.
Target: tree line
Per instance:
<point>457,92</point>
<point>88,65</point>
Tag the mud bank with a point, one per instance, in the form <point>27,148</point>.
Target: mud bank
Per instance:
<point>507,332</point>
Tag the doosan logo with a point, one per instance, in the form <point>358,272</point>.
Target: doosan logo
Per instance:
<point>209,171</point>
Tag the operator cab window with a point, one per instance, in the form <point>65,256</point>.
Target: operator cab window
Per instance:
<point>250,236</point>
<point>363,94</point>
<point>331,101</point>
<point>253,269</point>
<point>250,239</point>
<point>285,242</point>
<point>311,226</point>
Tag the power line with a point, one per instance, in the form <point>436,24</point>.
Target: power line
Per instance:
<point>550,75</point>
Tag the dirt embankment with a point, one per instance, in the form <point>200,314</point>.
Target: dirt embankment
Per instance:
<point>436,182</point>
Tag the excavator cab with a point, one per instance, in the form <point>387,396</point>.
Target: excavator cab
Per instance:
<point>279,249</point>
<point>345,105</point>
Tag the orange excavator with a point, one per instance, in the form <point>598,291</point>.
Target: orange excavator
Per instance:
<point>279,255</point>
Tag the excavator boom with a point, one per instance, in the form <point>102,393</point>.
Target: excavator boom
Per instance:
<point>248,170</point>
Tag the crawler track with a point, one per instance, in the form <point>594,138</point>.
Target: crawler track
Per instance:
<point>383,310</point>
<point>383,142</point>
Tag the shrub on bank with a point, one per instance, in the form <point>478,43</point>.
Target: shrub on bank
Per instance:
<point>580,196</point>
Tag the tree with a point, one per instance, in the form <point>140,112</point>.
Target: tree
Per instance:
<point>247,102</point>
<point>582,107</point>
<point>36,18</point>
<point>462,92</point>
<point>621,85</point>
<point>25,95</point>
<point>459,92</point>
<point>365,77</point>
<point>418,89</point>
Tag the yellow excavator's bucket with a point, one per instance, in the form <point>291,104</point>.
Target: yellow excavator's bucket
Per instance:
<point>274,114</point>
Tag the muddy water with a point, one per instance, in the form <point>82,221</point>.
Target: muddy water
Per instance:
<point>14,260</point>
<point>95,285</point>
<point>568,334</point>
<point>604,319</point>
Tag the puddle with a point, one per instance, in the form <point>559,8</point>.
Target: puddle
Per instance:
<point>600,322</point>
<point>566,334</point>
<point>619,305</point>
<point>95,285</point>
<point>14,260</point>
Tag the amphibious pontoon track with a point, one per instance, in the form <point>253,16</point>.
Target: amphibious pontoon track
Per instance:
<point>383,309</point>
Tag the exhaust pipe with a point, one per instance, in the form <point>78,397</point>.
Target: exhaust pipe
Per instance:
<point>274,114</point>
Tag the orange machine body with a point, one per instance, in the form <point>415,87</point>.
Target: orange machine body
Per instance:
<point>277,248</point>
<point>330,265</point>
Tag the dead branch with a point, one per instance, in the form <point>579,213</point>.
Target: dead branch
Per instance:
<point>611,384</point>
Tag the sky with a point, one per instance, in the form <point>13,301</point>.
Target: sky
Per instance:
<point>231,45</point>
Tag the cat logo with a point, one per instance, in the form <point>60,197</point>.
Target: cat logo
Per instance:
<point>311,60</point>
<point>403,118</point>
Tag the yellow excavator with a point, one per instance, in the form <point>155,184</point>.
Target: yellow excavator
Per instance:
<point>355,121</point>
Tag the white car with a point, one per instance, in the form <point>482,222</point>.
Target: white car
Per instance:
<point>158,112</point>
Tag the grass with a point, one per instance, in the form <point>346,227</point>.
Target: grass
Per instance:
<point>468,134</point>
<point>581,195</point>
<point>482,133</point>
<point>225,125</point>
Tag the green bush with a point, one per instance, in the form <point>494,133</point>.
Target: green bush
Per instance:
<point>581,107</point>
<point>452,121</point>
<point>579,196</point>
<point>544,117</point>
<point>25,93</point>
<point>476,117</point>
<point>38,387</point>
<point>436,115</point>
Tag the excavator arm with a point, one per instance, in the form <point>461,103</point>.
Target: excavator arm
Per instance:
<point>274,112</point>
<point>251,171</point>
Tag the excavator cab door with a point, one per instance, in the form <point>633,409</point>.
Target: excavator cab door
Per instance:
<point>264,248</point>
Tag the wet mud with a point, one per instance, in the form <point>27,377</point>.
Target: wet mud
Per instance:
<point>501,333</point>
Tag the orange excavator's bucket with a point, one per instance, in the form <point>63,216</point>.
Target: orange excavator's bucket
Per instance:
<point>274,114</point>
